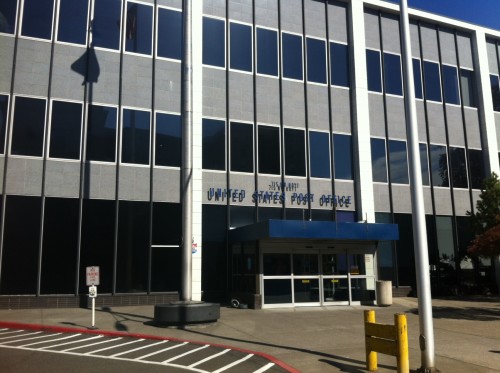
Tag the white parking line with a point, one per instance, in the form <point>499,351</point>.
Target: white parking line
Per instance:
<point>52,340</point>
<point>20,335</point>
<point>27,339</point>
<point>209,358</point>
<point>160,351</point>
<point>70,343</point>
<point>264,368</point>
<point>232,364</point>
<point>13,331</point>
<point>91,344</point>
<point>109,348</point>
<point>137,349</point>
<point>184,354</point>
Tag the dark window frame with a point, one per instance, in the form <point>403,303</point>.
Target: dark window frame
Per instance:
<point>156,139</point>
<point>222,123</point>
<point>225,47</point>
<point>390,80</point>
<point>124,138</point>
<point>13,17</point>
<point>51,30</point>
<point>13,128</point>
<point>277,62</point>
<point>372,85</point>
<point>448,93</point>
<point>50,134</point>
<point>88,138</point>
<point>290,157</point>
<point>241,68</point>
<point>323,80</point>
<point>420,94</point>
<point>383,142</point>
<point>259,149</point>
<point>435,79</point>
<point>84,31</point>
<point>232,126</point>
<point>313,154</point>
<point>126,30</point>
<point>119,37</point>
<point>334,63</point>
<point>157,33</point>
<point>283,58</point>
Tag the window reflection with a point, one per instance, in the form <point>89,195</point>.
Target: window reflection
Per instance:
<point>241,147</point>
<point>269,150</point>
<point>28,128</point>
<point>379,162</point>
<point>295,161</point>
<point>267,52</point>
<point>214,144</point>
<point>316,60</point>
<point>417,78</point>
<point>373,70</point>
<point>72,27</point>
<point>439,165</point>
<point>65,130</point>
<point>398,162</point>
<point>101,133</point>
<point>292,56</point>
<point>8,16</point>
<point>495,91</point>
<point>37,18</point>
<point>4,104</point>
<point>168,140</point>
<point>139,28</point>
<point>319,147</point>
<point>450,82</point>
<point>241,47</point>
<point>135,136</point>
<point>432,81</point>
<point>392,74</point>
<point>169,34</point>
<point>339,60</point>
<point>476,168</point>
<point>458,167</point>
<point>342,148</point>
<point>468,84</point>
<point>424,164</point>
<point>106,24</point>
<point>214,42</point>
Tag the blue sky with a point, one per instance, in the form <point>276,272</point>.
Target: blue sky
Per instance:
<point>480,12</point>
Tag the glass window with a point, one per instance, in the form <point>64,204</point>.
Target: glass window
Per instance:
<point>269,150</point>
<point>295,152</point>
<point>101,133</point>
<point>398,162</point>
<point>495,91</point>
<point>167,223</point>
<point>8,16</point>
<point>292,56</point>
<point>450,82</point>
<point>97,242</point>
<point>132,263</point>
<point>37,18</point>
<point>72,26</point>
<point>60,241</point>
<point>432,81</point>
<point>169,33</point>
<point>241,147</point>
<point>65,130</point>
<point>214,42</point>
<point>135,136</point>
<point>468,87</point>
<point>106,24</point>
<point>417,78</point>
<point>379,162</point>
<point>316,60</point>
<point>267,52</point>
<point>476,168</point>
<point>439,165</point>
<point>4,105</point>
<point>214,144</point>
<point>319,149</point>
<point>28,128</point>
<point>168,138</point>
<point>139,29</point>
<point>446,246</point>
<point>20,250</point>
<point>277,265</point>
<point>339,60</point>
<point>373,70</point>
<point>342,148</point>
<point>458,168</point>
<point>424,163</point>
<point>392,74</point>
<point>240,46</point>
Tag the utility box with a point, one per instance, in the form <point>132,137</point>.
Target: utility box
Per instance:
<point>384,293</point>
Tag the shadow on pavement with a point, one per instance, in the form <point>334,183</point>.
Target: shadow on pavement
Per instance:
<point>121,317</point>
<point>464,313</point>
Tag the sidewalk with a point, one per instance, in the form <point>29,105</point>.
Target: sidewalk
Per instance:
<point>321,339</point>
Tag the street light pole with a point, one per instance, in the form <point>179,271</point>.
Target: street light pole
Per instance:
<point>426,338</point>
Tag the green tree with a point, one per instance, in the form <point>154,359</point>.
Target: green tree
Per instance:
<point>487,207</point>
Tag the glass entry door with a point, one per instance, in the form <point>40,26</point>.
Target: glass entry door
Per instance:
<point>335,281</point>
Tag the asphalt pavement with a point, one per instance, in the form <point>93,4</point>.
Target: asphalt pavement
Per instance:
<point>309,339</point>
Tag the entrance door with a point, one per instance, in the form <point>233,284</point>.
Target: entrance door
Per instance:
<point>335,282</point>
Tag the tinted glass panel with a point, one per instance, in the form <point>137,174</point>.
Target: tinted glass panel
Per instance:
<point>379,163</point>
<point>292,56</point>
<point>167,223</point>
<point>214,42</point>
<point>277,291</point>
<point>20,250</point>
<point>269,150</point>
<point>392,74</point>
<point>417,78</point>
<point>214,144</point>
<point>339,60</point>
<point>8,15</point>
<point>458,167</point>
<point>424,163</point>
<point>373,70</point>
<point>138,34</point>
<point>342,148</point>
<point>60,241</point>
<point>432,82</point>
<point>476,168</point>
<point>133,247</point>
<point>37,18</point>
<point>169,34</point>
<point>166,269</point>
<point>72,26</point>
<point>28,129</point>
<point>97,247</point>
<point>495,91</point>
<point>398,162</point>
<point>4,104</point>
<point>319,147</point>
<point>106,24</point>
<point>439,165</point>
<point>295,152</point>
<point>241,147</point>
<point>101,133</point>
<point>316,60</point>
<point>267,52</point>
<point>65,130</point>
<point>468,91</point>
<point>450,81</point>
<point>241,46</point>
<point>135,136</point>
<point>346,216</point>
<point>404,248</point>
<point>446,247</point>
<point>277,265</point>
<point>168,140</point>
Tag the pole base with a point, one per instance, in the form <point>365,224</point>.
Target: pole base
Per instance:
<point>92,328</point>
<point>185,313</point>
<point>428,370</point>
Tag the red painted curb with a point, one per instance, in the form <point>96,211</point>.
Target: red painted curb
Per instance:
<point>63,329</point>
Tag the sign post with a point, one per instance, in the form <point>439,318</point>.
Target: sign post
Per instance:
<point>92,281</point>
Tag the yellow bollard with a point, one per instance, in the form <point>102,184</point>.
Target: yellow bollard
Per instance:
<point>402,343</point>
<point>371,356</point>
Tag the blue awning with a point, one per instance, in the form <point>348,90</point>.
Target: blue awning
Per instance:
<point>315,230</point>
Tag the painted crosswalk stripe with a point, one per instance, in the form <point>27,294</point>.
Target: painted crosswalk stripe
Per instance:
<point>209,358</point>
<point>160,351</point>
<point>19,335</point>
<point>137,349</point>
<point>52,340</point>
<point>71,342</point>
<point>28,339</point>
<point>110,347</point>
<point>91,344</point>
<point>264,368</point>
<point>232,364</point>
<point>184,354</point>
